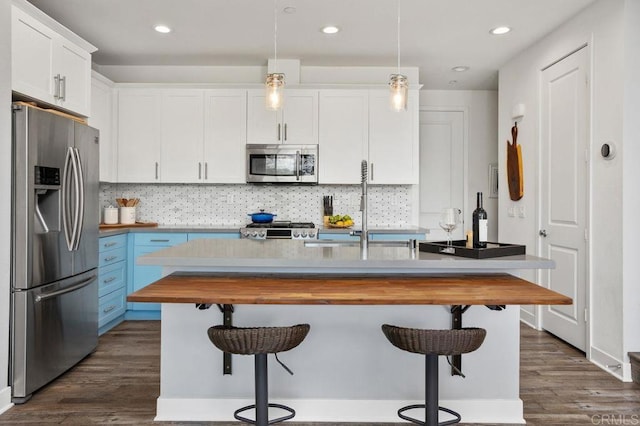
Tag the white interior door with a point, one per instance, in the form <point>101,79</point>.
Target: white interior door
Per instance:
<point>563,196</point>
<point>442,173</point>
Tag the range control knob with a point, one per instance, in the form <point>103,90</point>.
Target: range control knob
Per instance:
<point>262,234</point>
<point>296,234</point>
<point>312,234</point>
<point>254,234</point>
<point>245,235</point>
<point>304,234</point>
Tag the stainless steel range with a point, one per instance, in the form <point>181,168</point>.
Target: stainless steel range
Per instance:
<point>280,229</point>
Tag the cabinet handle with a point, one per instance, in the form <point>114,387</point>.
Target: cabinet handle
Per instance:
<point>206,171</point>
<point>156,170</point>
<point>285,131</point>
<point>108,280</point>
<point>56,86</point>
<point>63,88</point>
<point>279,131</point>
<point>371,166</point>
<point>111,244</point>
<point>159,241</point>
<point>199,170</point>
<point>109,309</point>
<point>110,258</point>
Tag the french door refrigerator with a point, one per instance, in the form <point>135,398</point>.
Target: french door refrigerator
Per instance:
<point>55,217</point>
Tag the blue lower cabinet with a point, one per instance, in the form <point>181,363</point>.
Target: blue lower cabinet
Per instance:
<point>143,275</point>
<point>337,236</point>
<point>112,281</point>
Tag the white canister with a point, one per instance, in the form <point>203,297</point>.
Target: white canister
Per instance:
<point>110,215</point>
<point>127,215</point>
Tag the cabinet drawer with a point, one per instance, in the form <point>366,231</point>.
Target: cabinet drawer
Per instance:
<point>112,277</point>
<point>112,256</point>
<point>111,306</point>
<point>160,239</point>
<point>112,242</point>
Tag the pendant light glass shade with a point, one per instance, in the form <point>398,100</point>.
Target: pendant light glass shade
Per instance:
<point>399,86</point>
<point>274,84</point>
<point>398,83</point>
<point>274,91</point>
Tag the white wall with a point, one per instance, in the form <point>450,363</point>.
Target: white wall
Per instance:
<point>5,194</point>
<point>481,119</point>
<point>631,179</point>
<point>601,27</point>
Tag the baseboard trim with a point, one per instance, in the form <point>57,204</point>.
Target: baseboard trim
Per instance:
<point>5,399</point>
<point>602,359</point>
<point>316,410</point>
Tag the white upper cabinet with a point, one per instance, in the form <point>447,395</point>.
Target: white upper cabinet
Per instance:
<point>139,132</point>
<point>225,135</point>
<point>102,119</point>
<point>358,125</point>
<point>182,136</point>
<point>296,123</point>
<point>46,66</point>
<point>343,135</point>
<point>393,140</point>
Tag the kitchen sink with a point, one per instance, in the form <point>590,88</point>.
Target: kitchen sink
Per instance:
<point>343,243</point>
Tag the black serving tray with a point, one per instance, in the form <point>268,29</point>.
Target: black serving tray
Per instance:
<point>458,248</point>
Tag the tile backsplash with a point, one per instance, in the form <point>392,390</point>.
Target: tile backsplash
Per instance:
<point>228,205</point>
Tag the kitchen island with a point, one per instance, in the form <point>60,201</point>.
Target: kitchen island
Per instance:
<point>345,370</point>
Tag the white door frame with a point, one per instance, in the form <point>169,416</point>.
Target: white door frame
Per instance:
<point>589,177</point>
<point>465,153</point>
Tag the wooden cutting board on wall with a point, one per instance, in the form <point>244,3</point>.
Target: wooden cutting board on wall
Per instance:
<point>514,166</point>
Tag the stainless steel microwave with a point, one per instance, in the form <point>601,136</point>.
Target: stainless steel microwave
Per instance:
<point>282,163</point>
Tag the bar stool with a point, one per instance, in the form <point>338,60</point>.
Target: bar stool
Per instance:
<point>259,341</point>
<point>433,343</point>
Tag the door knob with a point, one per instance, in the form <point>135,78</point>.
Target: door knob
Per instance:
<point>543,232</point>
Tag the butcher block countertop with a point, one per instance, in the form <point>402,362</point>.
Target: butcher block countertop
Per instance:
<point>462,289</point>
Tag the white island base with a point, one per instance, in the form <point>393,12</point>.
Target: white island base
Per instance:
<point>345,370</point>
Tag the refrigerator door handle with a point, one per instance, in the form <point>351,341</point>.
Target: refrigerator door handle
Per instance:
<point>80,203</point>
<point>83,283</point>
<point>65,199</point>
<point>76,204</point>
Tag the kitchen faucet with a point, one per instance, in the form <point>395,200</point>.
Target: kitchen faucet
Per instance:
<point>364,233</point>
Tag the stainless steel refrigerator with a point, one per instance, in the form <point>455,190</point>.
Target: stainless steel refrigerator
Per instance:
<point>55,216</point>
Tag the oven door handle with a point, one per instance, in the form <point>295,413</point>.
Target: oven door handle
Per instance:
<point>298,164</point>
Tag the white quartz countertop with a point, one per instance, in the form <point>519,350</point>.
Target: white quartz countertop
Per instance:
<point>292,256</point>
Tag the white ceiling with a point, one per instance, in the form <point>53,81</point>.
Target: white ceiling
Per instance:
<point>436,35</point>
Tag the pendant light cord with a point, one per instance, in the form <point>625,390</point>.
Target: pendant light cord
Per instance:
<point>275,35</point>
<point>398,12</point>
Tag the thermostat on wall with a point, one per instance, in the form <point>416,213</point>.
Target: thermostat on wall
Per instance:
<point>608,150</point>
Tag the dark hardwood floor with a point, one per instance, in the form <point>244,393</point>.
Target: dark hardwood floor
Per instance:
<point>119,384</point>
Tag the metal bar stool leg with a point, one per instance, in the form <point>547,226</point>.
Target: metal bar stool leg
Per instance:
<point>431,386</point>
<point>262,390</point>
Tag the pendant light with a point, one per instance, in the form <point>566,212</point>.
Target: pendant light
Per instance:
<point>274,84</point>
<point>398,83</point>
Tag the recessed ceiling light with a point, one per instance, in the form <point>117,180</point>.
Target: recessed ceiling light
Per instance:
<point>460,68</point>
<point>330,29</point>
<point>162,29</point>
<point>289,9</point>
<point>500,30</point>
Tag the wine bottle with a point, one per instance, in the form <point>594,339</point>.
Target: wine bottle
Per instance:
<point>479,224</point>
